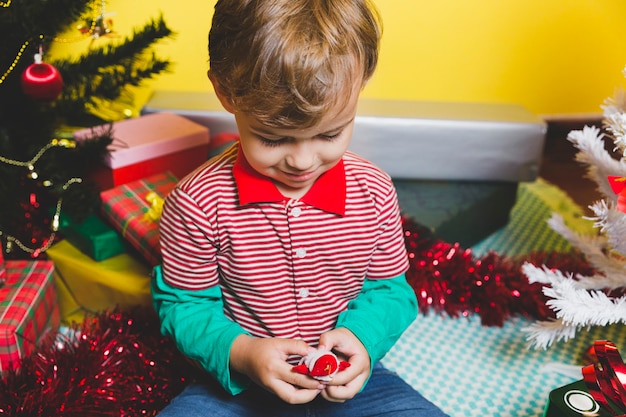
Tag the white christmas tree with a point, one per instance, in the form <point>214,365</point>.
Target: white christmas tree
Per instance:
<point>578,301</point>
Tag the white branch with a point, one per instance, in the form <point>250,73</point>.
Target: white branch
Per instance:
<point>612,223</point>
<point>582,307</point>
<point>592,153</point>
<point>596,249</point>
<point>543,334</point>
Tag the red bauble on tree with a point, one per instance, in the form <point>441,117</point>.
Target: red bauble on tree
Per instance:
<point>41,81</point>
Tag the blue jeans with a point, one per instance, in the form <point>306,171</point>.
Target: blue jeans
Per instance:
<point>386,394</point>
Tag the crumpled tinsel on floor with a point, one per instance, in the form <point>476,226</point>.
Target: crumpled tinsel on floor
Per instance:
<point>118,364</point>
<point>451,280</point>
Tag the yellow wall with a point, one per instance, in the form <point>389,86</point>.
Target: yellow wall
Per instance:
<point>556,57</point>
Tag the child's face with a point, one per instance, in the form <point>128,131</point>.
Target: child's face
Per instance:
<point>295,158</point>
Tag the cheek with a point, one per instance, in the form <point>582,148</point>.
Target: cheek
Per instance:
<point>334,153</point>
<point>260,156</point>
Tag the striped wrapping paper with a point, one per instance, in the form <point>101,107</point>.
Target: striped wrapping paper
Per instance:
<point>28,309</point>
<point>129,209</point>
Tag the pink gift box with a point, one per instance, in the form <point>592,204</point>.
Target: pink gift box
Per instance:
<point>148,145</point>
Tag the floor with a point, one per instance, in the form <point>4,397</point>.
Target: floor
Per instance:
<point>560,168</point>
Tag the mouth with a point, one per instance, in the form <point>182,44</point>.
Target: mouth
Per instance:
<point>300,176</point>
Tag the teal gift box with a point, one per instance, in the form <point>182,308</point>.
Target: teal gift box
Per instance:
<point>94,237</point>
<point>574,400</point>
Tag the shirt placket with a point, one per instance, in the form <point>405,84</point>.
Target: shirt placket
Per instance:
<point>295,211</point>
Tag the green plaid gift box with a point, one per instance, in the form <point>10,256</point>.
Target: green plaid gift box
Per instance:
<point>134,210</point>
<point>28,309</point>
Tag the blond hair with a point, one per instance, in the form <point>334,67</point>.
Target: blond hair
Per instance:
<point>285,62</point>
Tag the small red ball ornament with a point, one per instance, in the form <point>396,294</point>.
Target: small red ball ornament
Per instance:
<point>41,81</point>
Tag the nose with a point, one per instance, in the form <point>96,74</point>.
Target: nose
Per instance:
<point>301,156</point>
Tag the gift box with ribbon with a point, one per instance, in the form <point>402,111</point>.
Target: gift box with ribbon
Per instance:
<point>601,392</point>
<point>28,309</point>
<point>134,210</point>
<point>85,286</point>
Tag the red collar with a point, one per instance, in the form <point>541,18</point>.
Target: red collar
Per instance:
<point>328,193</point>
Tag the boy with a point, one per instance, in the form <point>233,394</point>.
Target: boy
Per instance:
<point>286,242</point>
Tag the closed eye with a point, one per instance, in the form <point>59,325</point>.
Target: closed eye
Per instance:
<point>272,142</point>
<point>330,137</point>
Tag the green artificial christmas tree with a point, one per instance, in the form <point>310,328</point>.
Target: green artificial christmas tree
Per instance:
<point>42,170</point>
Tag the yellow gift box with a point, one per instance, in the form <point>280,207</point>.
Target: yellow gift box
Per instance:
<point>86,286</point>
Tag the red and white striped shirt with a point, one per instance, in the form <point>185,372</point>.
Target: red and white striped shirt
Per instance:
<point>286,267</point>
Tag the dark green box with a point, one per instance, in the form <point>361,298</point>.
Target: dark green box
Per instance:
<point>93,237</point>
<point>458,211</point>
<point>573,400</point>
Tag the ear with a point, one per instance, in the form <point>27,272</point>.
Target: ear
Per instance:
<point>221,95</point>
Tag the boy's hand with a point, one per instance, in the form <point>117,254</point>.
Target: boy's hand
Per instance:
<point>264,361</point>
<point>347,383</point>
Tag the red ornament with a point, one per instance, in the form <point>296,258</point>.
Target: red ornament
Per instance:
<point>41,81</point>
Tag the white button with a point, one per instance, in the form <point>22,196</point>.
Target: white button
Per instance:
<point>303,293</point>
<point>297,211</point>
<point>300,252</point>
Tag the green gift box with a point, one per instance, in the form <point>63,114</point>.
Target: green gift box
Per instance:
<point>574,400</point>
<point>94,237</point>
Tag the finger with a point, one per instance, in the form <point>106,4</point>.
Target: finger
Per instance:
<point>359,367</point>
<point>295,395</point>
<point>331,399</point>
<point>295,347</point>
<point>334,396</point>
<point>340,393</point>
<point>327,341</point>
<point>303,381</point>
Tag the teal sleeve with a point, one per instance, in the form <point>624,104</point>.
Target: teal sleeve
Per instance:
<point>380,314</point>
<point>196,321</point>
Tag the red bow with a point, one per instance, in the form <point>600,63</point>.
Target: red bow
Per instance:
<point>618,185</point>
<point>606,378</point>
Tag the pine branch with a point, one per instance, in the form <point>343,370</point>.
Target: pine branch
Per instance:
<point>29,19</point>
<point>584,308</point>
<point>82,69</point>
<point>575,306</point>
<point>597,251</point>
<point>543,334</point>
<point>612,223</point>
<point>592,153</point>
<point>105,73</point>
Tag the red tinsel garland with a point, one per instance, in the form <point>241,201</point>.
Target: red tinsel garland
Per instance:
<point>449,279</point>
<point>118,364</point>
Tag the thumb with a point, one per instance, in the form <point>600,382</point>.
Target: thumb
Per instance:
<point>296,347</point>
<point>329,340</point>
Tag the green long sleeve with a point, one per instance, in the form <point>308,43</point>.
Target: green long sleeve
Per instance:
<point>196,321</point>
<point>380,314</point>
